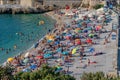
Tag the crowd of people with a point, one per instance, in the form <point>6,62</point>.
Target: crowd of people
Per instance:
<point>66,40</point>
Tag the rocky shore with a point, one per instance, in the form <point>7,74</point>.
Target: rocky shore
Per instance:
<point>17,9</point>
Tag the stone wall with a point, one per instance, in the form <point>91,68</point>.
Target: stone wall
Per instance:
<point>26,3</point>
<point>61,3</point>
<point>3,2</point>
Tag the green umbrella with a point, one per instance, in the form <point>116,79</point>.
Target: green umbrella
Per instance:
<point>91,35</point>
<point>26,60</point>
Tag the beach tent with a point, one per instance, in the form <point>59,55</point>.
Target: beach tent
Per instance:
<point>10,59</point>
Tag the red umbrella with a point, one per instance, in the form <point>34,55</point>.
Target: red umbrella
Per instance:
<point>89,41</point>
<point>78,41</point>
<point>39,57</point>
<point>68,37</point>
<point>67,7</point>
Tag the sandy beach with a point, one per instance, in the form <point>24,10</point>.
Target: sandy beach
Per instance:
<point>72,51</point>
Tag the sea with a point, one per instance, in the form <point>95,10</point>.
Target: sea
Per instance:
<point>20,32</point>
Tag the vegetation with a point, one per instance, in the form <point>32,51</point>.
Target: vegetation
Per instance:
<point>49,73</point>
<point>44,73</point>
<point>6,73</point>
<point>97,76</point>
<point>97,6</point>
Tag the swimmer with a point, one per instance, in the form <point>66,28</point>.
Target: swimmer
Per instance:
<point>7,52</point>
<point>2,49</point>
<point>15,46</point>
<point>49,30</point>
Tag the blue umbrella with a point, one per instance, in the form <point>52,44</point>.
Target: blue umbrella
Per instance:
<point>47,55</point>
<point>91,50</point>
<point>59,49</point>
<point>49,41</point>
<point>65,52</point>
<point>85,31</point>
<point>33,66</point>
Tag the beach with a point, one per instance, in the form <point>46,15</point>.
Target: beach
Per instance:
<point>75,45</point>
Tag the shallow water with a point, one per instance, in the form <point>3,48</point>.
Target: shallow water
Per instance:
<point>21,31</point>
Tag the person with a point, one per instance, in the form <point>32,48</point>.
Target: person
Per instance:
<point>106,41</point>
<point>15,46</point>
<point>88,61</point>
<point>81,56</point>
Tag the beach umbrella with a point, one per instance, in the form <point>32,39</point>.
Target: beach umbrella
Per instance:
<point>33,66</point>
<point>59,49</point>
<point>91,35</point>
<point>74,50</point>
<point>27,54</point>
<point>10,59</point>
<point>91,49</point>
<point>89,41</point>
<point>89,28</point>
<point>47,55</point>
<point>65,52</point>
<point>77,30</point>
<point>67,7</point>
<point>39,57</point>
<point>98,27</point>
<point>26,60</point>
<point>68,36</point>
<point>85,31</point>
<point>50,37</point>
<point>78,41</point>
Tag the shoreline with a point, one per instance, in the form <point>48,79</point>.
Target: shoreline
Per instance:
<point>31,48</point>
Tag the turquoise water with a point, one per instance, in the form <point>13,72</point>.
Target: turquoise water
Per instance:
<point>21,30</point>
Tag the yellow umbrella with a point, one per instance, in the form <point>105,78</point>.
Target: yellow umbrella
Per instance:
<point>74,50</point>
<point>10,59</point>
<point>50,37</point>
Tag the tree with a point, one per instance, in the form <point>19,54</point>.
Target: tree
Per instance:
<point>97,76</point>
<point>44,73</point>
<point>6,73</point>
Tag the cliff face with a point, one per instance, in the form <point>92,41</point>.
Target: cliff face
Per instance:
<point>26,3</point>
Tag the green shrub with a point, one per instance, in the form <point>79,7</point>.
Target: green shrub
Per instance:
<point>97,6</point>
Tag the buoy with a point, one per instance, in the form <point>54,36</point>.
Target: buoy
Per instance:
<point>41,22</point>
